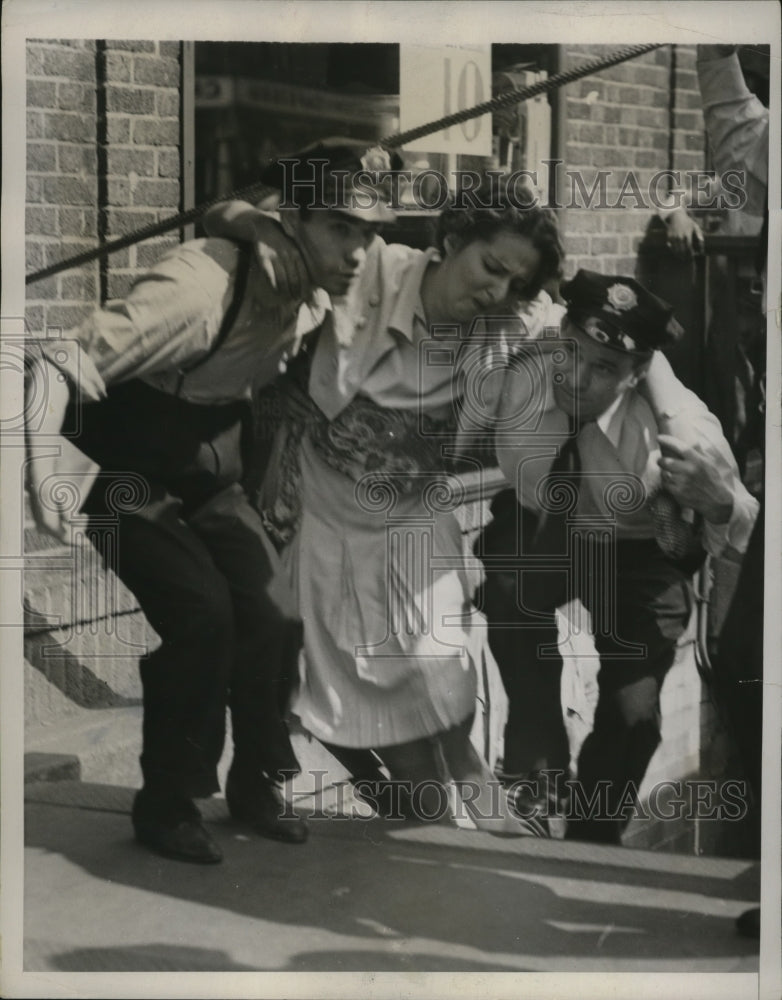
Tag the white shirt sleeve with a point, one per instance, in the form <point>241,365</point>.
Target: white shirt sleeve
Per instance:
<point>736,533</point>
<point>699,424</point>
<point>168,319</point>
<point>737,126</point>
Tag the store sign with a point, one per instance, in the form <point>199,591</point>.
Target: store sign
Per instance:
<point>438,81</point>
<point>214,91</point>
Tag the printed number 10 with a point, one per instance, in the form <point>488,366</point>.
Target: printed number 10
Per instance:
<point>469,91</point>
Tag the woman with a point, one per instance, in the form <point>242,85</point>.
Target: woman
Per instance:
<point>392,640</point>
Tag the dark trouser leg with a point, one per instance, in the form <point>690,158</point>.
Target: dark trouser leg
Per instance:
<point>186,601</point>
<point>361,764</point>
<point>523,643</point>
<point>268,634</point>
<point>389,798</point>
<point>418,765</point>
<point>531,669</point>
<point>653,604</point>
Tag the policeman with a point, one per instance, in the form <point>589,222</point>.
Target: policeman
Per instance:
<point>601,493</point>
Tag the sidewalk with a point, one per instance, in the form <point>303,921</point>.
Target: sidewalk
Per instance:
<point>364,894</point>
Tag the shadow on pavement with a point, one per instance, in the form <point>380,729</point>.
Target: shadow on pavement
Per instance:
<point>423,898</point>
<point>150,957</point>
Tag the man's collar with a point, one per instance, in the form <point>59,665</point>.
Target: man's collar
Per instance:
<point>610,420</point>
<point>312,311</point>
<point>319,299</point>
<point>408,305</point>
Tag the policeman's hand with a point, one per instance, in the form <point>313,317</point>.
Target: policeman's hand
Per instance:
<point>695,479</point>
<point>685,236</point>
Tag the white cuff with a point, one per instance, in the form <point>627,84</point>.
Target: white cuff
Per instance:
<point>77,366</point>
<point>735,533</point>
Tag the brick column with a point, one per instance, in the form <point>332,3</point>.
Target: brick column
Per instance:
<point>103,159</point>
<point>688,128</point>
<point>61,209</point>
<point>139,136</point>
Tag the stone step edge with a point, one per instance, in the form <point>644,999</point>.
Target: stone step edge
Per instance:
<point>31,628</point>
<point>48,767</point>
<point>45,761</point>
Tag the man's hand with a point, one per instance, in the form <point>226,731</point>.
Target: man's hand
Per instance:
<point>695,479</point>
<point>50,516</point>
<point>50,507</point>
<point>684,235</point>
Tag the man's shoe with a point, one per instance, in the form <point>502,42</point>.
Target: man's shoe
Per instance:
<point>173,829</point>
<point>260,804</point>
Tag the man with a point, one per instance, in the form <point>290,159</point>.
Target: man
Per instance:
<point>156,391</point>
<point>588,526</point>
<point>737,124</point>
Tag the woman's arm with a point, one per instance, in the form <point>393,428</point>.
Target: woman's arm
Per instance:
<point>275,248</point>
<point>233,220</point>
<point>736,121</point>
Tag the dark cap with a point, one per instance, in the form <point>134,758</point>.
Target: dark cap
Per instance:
<point>618,312</point>
<point>326,175</point>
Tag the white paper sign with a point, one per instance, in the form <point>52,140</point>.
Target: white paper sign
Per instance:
<point>435,81</point>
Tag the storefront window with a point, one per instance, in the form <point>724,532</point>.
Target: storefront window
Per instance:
<point>257,101</point>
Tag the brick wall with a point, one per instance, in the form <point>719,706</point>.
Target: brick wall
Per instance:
<point>631,117</point>
<point>61,214</point>
<point>102,158</point>
<point>142,161</point>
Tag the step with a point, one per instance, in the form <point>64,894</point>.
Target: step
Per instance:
<point>84,634</point>
<point>69,670</point>
<point>104,742</point>
<point>45,767</point>
<point>69,585</point>
<point>103,746</point>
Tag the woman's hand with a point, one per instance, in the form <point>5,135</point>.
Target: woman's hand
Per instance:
<point>276,249</point>
<point>281,258</point>
<point>684,235</point>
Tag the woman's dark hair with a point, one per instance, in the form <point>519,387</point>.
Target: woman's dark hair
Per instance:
<point>504,203</point>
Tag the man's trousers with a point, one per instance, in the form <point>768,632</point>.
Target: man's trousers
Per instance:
<point>640,604</point>
<point>210,585</point>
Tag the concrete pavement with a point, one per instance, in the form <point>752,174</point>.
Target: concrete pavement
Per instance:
<point>364,894</point>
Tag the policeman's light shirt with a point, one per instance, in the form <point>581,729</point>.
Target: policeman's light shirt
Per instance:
<point>620,447</point>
